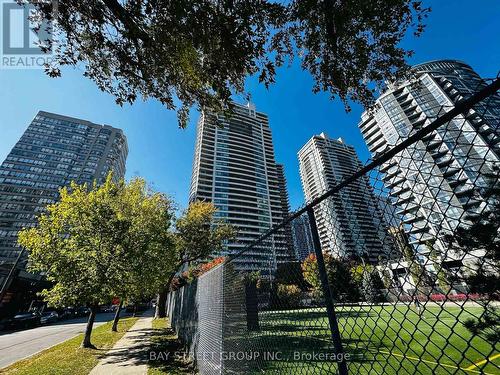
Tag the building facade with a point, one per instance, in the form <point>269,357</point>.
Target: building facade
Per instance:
<point>234,167</point>
<point>441,181</point>
<point>350,223</point>
<point>53,151</point>
<point>302,237</point>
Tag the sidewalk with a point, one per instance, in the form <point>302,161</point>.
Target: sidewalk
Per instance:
<point>129,355</point>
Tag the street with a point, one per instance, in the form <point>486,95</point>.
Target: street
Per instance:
<point>17,345</point>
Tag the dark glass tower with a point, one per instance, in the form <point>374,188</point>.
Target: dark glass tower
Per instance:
<point>53,151</point>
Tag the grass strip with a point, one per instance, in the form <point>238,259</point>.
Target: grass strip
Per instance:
<point>67,358</point>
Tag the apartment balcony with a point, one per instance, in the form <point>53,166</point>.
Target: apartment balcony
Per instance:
<point>366,125</point>
<point>419,123</point>
<point>387,166</point>
<point>468,191</point>
<point>390,176</point>
<point>409,108</point>
<point>455,183</point>
<point>405,100</point>
<point>415,116</point>
<point>395,183</point>
<point>472,203</point>
<point>432,145</point>
<point>374,139</point>
<point>437,155</point>
<point>429,137</point>
<point>403,201</point>
<point>451,171</point>
<point>397,192</point>
<point>408,209</point>
<point>444,162</point>
<point>372,132</point>
<point>400,93</point>
<point>411,219</point>
<point>417,230</point>
<point>486,130</point>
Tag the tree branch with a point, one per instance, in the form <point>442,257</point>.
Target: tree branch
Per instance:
<point>121,13</point>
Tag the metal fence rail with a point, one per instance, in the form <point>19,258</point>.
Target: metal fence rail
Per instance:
<point>396,271</point>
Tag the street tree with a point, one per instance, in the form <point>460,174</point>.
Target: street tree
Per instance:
<point>149,243</point>
<point>372,285</point>
<point>99,242</point>
<point>201,51</point>
<point>198,236</point>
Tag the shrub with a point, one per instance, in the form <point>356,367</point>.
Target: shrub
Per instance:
<point>438,297</point>
<point>288,295</point>
<point>457,297</point>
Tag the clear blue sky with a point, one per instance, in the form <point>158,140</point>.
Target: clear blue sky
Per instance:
<point>162,153</point>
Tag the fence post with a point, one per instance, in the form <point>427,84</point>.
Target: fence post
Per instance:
<point>327,293</point>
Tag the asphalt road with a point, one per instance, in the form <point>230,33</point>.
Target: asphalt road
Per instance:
<point>21,344</point>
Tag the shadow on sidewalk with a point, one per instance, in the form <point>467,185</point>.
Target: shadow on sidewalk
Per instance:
<point>167,354</point>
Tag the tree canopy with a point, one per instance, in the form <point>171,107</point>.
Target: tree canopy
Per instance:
<point>340,279</point>
<point>98,243</point>
<point>199,235</point>
<point>201,51</point>
<point>101,242</point>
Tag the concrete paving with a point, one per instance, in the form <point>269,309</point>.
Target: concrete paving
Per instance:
<point>129,356</point>
<point>17,345</point>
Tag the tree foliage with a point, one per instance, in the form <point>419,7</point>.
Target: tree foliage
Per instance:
<point>372,286</point>
<point>199,235</point>
<point>102,242</point>
<point>288,295</point>
<point>198,270</point>
<point>339,276</point>
<point>201,51</point>
<point>487,325</point>
<point>289,273</point>
<point>311,275</point>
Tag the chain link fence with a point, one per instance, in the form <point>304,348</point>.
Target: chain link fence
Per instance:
<point>396,266</point>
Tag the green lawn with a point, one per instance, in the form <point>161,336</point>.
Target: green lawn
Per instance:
<point>68,358</point>
<point>380,340</point>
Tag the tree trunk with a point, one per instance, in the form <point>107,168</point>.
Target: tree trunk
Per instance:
<point>161,304</point>
<point>114,328</point>
<point>88,330</point>
<point>252,306</point>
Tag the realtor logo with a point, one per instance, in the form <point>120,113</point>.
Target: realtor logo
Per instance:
<point>19,41</point>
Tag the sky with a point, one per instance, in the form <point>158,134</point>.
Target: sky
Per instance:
<point>162,153</point>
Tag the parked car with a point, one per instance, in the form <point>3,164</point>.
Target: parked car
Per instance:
<point>109,309</point>
<point>68,313</point>
<point>82,311</point>
<point>23,321</point>
<point>49,317</point>
<point>139,307</point>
